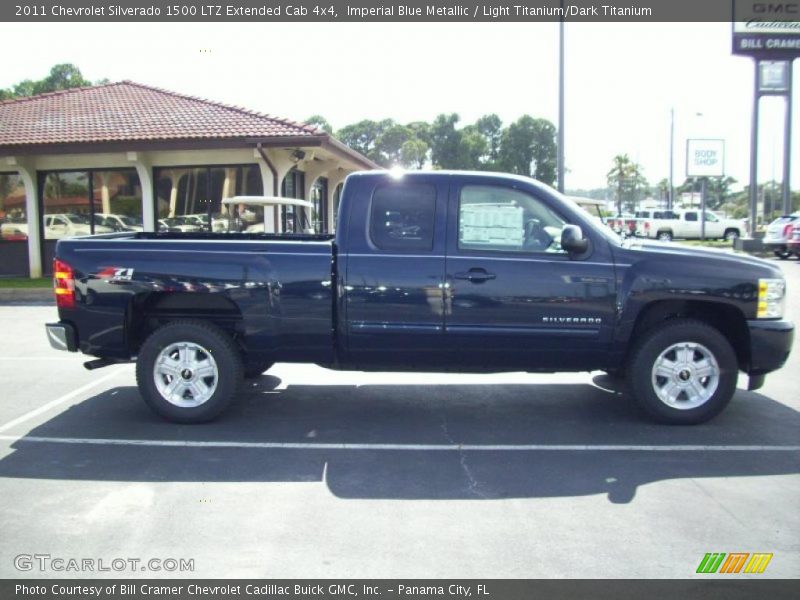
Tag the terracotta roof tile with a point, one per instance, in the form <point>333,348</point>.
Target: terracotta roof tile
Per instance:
<point>128,111</point>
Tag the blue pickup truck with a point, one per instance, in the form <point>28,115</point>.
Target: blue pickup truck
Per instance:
<point>438,271</point>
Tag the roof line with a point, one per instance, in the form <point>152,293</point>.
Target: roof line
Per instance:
<point>58,93</point>
<point>240,109</point>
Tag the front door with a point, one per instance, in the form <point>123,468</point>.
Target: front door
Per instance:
<point>514,298</point>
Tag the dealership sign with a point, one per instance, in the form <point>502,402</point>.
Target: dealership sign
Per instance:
<point>705,158</point>
<point>766,29</point>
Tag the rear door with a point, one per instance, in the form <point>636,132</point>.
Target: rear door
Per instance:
<point>514,298</point>
<point>394,270</point>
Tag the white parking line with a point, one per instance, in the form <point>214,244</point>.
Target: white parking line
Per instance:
<point>396,447</point>
<point>66,397</point>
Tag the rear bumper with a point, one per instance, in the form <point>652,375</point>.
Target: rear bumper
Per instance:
<point>62,336</point>
<point>770,344</point>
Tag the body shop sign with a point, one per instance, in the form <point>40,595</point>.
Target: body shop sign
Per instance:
<point>705,158</point>
<point>767,29</point>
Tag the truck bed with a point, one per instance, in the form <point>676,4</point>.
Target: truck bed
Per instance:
<point>273,292</point>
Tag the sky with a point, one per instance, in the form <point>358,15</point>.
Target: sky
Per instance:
<point>621,81</point>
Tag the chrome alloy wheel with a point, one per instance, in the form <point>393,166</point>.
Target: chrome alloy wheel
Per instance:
<point>185,374</point>
<point>685,375</point>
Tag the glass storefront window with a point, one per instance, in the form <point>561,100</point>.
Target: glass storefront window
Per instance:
<point>319,198</point>
<point>13,217</point>
<point>90,202</point>
<point>190,198</point>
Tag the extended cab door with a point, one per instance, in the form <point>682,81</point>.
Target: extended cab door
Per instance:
<point>393,260</point>
<point>514,298</point>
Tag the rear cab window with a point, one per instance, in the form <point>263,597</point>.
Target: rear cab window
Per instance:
<point>402,217</point>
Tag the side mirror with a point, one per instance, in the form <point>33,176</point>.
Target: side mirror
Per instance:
<point>572,240</point>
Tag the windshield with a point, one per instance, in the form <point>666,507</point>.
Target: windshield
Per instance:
<point>130,221</point>
<point>78,219</point>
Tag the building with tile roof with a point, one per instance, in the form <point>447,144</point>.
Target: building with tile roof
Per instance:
<point>100,156</point>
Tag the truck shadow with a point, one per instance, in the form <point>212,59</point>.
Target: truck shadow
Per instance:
<point>114,437</point>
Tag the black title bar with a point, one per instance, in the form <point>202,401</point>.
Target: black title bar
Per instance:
<point>630,11</point>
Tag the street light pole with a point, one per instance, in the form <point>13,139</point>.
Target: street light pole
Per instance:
<point>560,142</point>
<point>671,158</point>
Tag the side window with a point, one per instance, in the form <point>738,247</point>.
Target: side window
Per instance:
<point>402,217</point>
<point>503,219</point>
<point>711,217</point>
<point>690,216</point>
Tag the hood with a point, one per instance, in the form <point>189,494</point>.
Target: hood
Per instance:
<point>670,250</point>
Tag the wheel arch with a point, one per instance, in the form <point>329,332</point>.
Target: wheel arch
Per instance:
<point>725,318</point>
<point>148,312</point>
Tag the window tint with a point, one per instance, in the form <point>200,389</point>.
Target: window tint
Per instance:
<point>690,216</point>
<point>502,219</point>
<point>711,217</point>
<point>402,217</point>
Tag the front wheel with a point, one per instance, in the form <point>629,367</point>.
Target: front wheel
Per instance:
<point>731,235</point>
<point>664,236</point>
<point>782,254</point>
<point>188,371</point>
<point>682,372</point>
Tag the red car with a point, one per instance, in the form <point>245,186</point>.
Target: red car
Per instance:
<point>793,243</point>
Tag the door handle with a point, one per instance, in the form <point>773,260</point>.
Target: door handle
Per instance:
<point>475,275</point>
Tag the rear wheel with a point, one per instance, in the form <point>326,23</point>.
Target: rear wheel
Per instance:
<point>682,372</point>
<point>188,371</point>
<point>731,235</point>
<point>782,254</point>
<point>664,236</point>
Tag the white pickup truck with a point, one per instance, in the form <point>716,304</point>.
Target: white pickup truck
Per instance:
<point>685,224</point>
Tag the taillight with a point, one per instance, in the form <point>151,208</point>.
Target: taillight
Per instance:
<point>787,231</point>
<point>646,225</point>
<point>63,284</point>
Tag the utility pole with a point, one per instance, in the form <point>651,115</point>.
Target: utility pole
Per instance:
<point>560,142</point>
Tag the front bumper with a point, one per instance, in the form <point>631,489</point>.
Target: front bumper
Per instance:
<point>770,344</point>
<point>62,336</point>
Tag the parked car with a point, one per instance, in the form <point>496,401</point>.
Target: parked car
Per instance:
<point>793,245</point>
<point>179,224</point>
<point>623,224</point>
<point>778,234</point>
<point>56,227</point>
<point>439,271</point>
<point>119,222</point>
<point>687,225</point>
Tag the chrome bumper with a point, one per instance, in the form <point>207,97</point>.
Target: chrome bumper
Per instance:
<point>62,336</point>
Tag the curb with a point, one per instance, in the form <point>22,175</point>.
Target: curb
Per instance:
<point>42,296</point>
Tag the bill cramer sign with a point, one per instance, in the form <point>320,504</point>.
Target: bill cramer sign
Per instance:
<point>769,30</point>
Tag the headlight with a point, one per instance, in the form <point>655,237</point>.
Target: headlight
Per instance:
<point>771,294</point>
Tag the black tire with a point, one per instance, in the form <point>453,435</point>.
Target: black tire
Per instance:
<point>211,341</point>
<point>253,370</point>
<point>731,235</point>
<point>647,350</point>
<point>664,236</point>
<point>782,254</point>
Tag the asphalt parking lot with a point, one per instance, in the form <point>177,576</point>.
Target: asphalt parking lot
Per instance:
<point>315,473</point>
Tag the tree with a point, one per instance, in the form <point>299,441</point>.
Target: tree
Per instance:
<point>445,142</point>
<point>363,135</point>
<point>413,153</point>
<point>389,144</point>
<point>319,122</point>
<point>491,128</point>
<point>472,149</point>
<point>529,148</point>
<point>62,77</point>
<point>626,178</point>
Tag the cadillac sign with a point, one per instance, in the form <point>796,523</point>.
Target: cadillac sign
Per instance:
<point>767,30</point>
